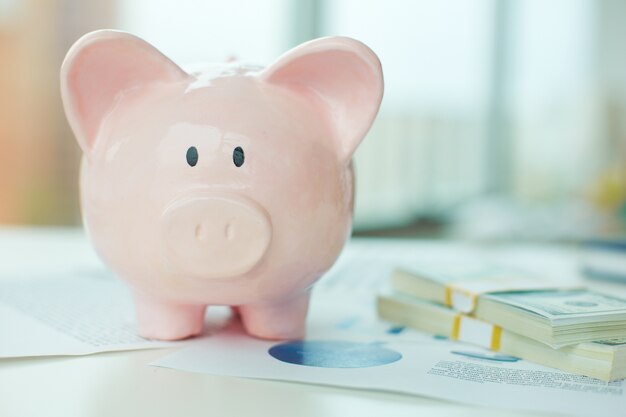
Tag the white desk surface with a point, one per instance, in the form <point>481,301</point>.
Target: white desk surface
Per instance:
<point>122,384</point>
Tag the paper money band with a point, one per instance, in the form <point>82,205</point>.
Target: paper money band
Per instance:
<point>463,295</point>
<point>471,330</point>
<point>460,299</point>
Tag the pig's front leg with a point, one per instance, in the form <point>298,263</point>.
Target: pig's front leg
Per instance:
<point>166,320</point>
<point>283,319</point>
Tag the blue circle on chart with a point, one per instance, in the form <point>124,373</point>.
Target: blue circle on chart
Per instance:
<point>333,354</point>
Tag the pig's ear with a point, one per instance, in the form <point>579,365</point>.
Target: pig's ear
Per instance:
<point>96,72</point>
<point>342,77</point>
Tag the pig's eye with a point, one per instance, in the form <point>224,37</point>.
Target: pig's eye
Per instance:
<point>238,156</point>
<point>192,156</point>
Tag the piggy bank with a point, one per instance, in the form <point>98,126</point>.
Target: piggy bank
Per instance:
<point>227,186</point>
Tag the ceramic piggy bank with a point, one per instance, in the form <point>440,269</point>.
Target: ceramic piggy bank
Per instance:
<point>229,186</point>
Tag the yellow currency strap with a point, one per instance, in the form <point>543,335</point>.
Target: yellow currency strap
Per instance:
<point>461,300</point>
<point>456,327</point>
<point>448,296</point>
<point>496,335</point>
<point>496,332</point>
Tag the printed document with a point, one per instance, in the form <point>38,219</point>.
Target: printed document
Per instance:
<point>348,346</point>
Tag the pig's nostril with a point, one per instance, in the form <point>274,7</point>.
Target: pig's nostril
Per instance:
<point>229,231</point>
<point>199,232</point>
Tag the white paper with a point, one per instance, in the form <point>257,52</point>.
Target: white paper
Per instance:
<point>343,310</point>
<point>75,313</point>
<point>435,368</point>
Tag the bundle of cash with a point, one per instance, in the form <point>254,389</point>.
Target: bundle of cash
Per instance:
<point>574,329</point>
<point>522,304</point>
<point>604,360</point>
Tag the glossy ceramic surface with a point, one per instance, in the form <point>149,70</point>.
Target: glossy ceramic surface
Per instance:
<point>230,186</point>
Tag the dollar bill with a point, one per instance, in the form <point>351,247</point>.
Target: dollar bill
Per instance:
<point>577,304</point>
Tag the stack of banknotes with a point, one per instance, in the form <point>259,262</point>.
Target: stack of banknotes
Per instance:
<point>574,329</point>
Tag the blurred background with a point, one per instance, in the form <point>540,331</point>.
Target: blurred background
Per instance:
<point>501,119</point>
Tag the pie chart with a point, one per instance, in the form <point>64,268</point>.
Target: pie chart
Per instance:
<point>334,354</point>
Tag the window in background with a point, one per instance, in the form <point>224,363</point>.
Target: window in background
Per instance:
<point>426,152</point>
<point>555,114</point>
<point>499,117</point>
<point>564,137</point>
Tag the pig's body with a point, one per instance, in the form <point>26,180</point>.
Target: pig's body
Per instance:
<point>226,187</point>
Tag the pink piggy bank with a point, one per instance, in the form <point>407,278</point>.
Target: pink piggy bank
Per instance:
<point>231,186</point>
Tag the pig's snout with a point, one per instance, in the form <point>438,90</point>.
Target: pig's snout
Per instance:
<point>215,236</point>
